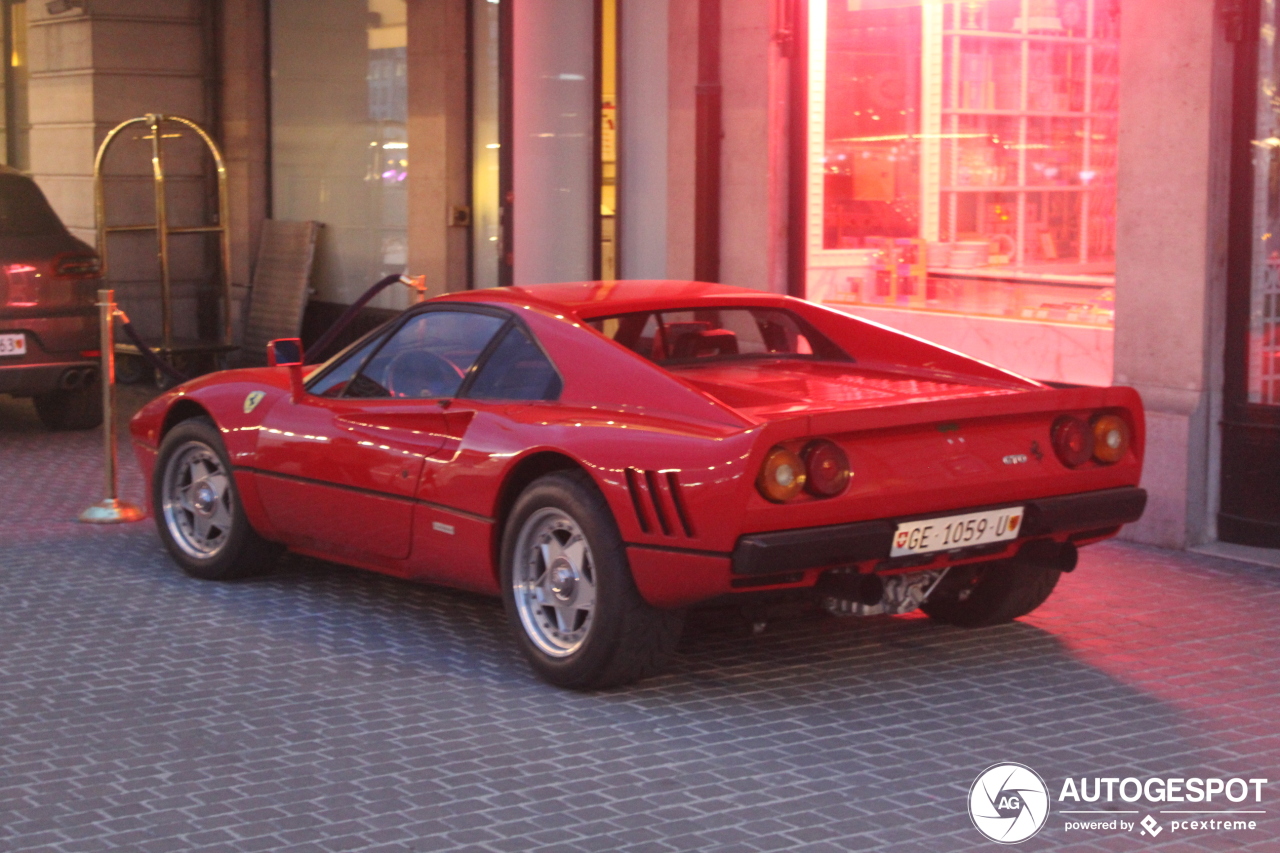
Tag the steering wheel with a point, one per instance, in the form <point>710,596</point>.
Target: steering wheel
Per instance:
<point>418,373</point>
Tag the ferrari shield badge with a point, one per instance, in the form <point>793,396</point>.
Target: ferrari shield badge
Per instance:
<point>251,402</point>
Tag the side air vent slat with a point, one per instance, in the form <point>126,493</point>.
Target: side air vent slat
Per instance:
<point>651,478</point>
<point>633,486</point>
<point>677,500</point>
<point>656,496</point>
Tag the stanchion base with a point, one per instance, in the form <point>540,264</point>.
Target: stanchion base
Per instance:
<point>112,511</point>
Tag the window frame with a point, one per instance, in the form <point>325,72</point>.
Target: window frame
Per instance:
<point>389,329</point>
<point>803,326</point>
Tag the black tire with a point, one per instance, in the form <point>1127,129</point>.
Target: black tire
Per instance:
<point>198,510</point>
<point>74,408</point>
<point>974,596</point>
<point>615,637</point>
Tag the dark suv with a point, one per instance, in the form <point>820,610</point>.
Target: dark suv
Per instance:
<point>48,322</point>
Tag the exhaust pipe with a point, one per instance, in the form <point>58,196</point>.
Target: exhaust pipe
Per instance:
<point>78,378</point>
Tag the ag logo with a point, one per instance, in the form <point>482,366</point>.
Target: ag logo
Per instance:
<point>251,402</point>
<point>1008,803</point>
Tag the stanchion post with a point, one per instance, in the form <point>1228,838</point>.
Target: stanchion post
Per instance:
<point>110,510</point>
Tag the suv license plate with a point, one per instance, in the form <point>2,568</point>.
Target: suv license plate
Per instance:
<point>956,531</point>
<point>13,344</point>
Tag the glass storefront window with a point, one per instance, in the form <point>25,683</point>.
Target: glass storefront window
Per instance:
<point>16,129</point>
<point>608,139</point>
<point>339,145</point>
<point>1263,385</point>
<point>486,206</point>
<point>963,158</point>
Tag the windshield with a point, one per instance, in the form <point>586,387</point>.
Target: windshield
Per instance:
<point>24,211</point>
<point>677,338</point>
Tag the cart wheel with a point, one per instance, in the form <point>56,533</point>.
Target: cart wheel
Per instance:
<point>131,369</point>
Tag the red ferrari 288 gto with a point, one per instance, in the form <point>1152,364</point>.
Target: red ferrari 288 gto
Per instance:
<point>605,455</point>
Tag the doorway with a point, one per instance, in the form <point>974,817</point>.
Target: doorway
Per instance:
<point>1250,500</point>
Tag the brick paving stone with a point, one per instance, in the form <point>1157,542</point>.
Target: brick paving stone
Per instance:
<point>325,709</point>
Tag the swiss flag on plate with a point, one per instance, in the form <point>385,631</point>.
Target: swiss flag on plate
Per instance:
<point>902,539</point>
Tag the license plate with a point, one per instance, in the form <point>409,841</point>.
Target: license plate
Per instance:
<point>956,531</point>
<point>13,344</point>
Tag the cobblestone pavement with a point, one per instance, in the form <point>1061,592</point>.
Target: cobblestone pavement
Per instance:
<point>327,709</point>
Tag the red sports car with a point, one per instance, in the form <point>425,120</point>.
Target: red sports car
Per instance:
<point>605,455</point>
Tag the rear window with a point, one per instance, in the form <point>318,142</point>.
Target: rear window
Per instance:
<point>24,211</point>
<point>690,337</point>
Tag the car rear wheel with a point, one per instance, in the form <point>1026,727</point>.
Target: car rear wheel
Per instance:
<point>198,509</point>
<point>568,591</point>
<point>74,408</point>
<point>974,596</point>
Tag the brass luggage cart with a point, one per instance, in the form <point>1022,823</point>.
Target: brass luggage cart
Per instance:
<point>168,346</point>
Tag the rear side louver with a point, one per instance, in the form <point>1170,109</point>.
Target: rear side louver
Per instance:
<point>659,502</point>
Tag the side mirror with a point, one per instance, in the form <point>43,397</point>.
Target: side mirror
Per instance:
<point>284,352</point>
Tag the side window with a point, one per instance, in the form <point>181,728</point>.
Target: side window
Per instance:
<point>427,357</point>
<point>335,382</point>
<point>517,370</point>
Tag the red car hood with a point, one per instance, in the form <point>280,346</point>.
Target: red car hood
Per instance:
<point>771,388</point>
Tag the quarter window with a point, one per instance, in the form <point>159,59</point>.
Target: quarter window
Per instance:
<point>517,370</point>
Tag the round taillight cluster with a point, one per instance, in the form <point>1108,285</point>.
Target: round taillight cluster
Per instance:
<point>1110,438</point>
<point>827,468</point>
<point>820,468</point>
<point>1104,438</point>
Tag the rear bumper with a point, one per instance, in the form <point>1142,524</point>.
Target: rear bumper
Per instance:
<point>843,544</point>
<point>26,380</point>
<point>54,344</point>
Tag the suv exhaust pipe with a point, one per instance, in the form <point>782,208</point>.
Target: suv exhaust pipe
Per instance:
<point>78,378</point>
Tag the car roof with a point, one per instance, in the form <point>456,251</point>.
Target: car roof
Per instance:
<point>603,298</point>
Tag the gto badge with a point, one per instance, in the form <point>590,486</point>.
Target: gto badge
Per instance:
<point>251,402</point>
<point>1015,459</point>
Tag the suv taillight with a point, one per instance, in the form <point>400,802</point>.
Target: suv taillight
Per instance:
<point>77,266</point>
<point>22,288</point>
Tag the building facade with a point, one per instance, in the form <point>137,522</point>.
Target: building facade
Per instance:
<point>1079,190</point>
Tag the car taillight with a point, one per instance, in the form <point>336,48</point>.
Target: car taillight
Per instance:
<point>827,469</point>
<point>1110,438</point>
<point>21,285</point>
<point>1072,440</point>
<point>77,266</point>
<point>781,476</point>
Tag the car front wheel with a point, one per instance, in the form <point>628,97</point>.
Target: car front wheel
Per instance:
<point>198,510</point>
<point>568,591</point>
